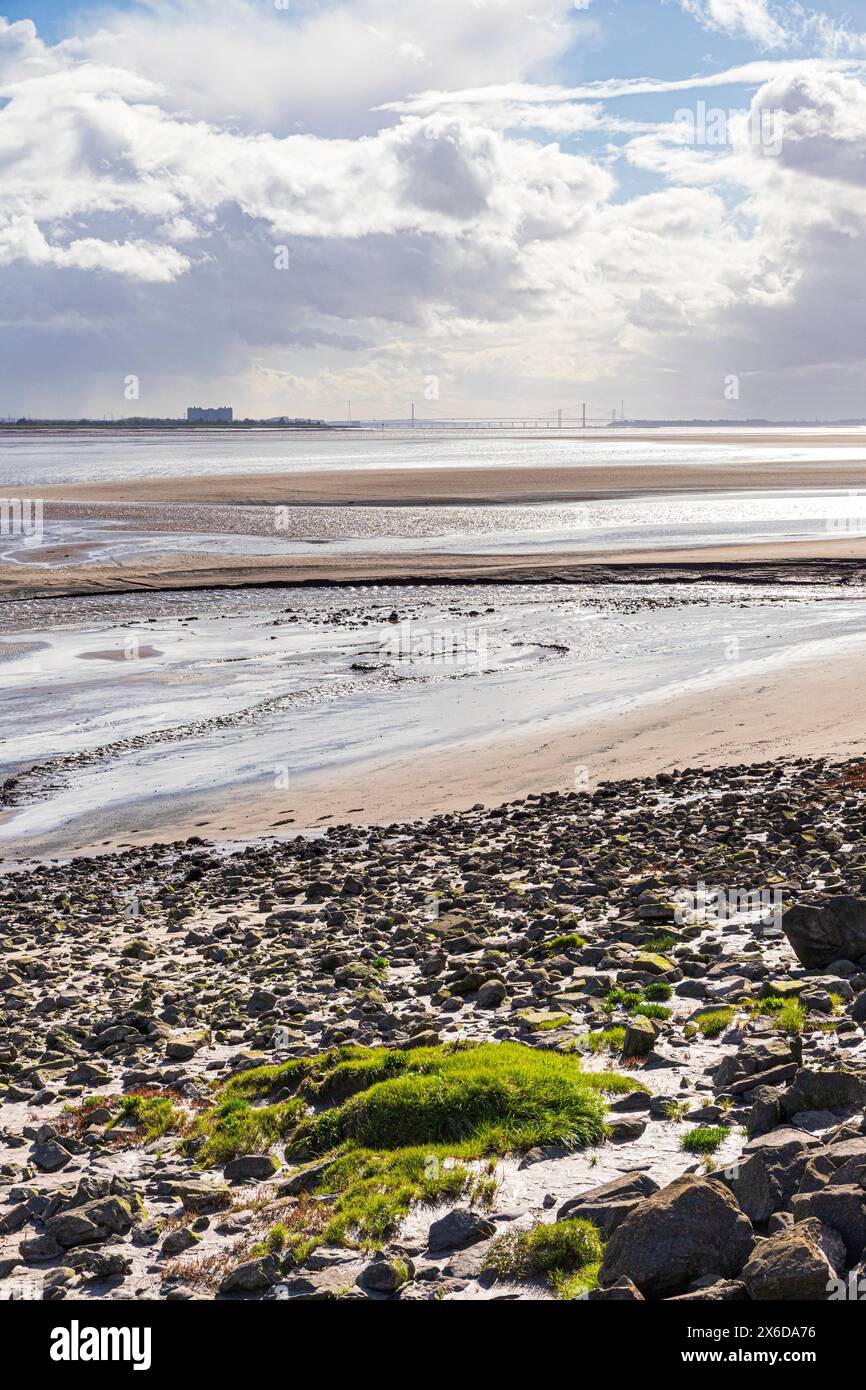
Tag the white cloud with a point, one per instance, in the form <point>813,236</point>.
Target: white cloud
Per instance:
<point>775,24</point>
<point>143,202</point>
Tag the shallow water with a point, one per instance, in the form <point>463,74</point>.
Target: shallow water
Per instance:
<point>140,696</point>
<point>40,459</point>
<point>89,534</point>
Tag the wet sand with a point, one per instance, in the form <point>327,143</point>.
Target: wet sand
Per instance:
<point>467,484</point>
<point>799,707</point>
<point>837,560</point>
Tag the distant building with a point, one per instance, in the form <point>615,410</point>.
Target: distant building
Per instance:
<point>209,415</point>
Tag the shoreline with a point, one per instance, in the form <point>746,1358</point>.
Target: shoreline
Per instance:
<point>721,720</point>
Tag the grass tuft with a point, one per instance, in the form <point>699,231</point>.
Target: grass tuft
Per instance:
<point>236,1128</point>
<point>703,1140</point>
<point>715,1022</point>
<point>567,1253</point>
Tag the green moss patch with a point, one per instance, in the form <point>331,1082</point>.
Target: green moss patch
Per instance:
<point>395,1128</point>
<point>570,942</point>
<point>495,1098</point>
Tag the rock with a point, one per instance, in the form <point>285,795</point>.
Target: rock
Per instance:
<point>623,1291</point>
<point>202,1197</point>
<point>94,1221</point>
<point>14,1220</point>
<point>305,1180</point>
<point>821,933</point>
<point>251,1168</point>
<point>50,1157</point>
<point>765,1112</point>
<point>458,1229</point>
<point>607,1206</point>
<point>823,1090</point>
<point>178,1241</point>
<point>711,1290</point>
<point>640,1037</point>
<point>654,964</point>
<point>633,1101</point>
<point>185,1045</point>
<point>790,1265</point>
<point>690,1228</point>
<point>39,1248</point>
<point>769,1172</point>
<point>624,1129</point>
<point>251,1276</point>
<point>755,1063</point>
<point>843,1208</point>
<point>386,1275</point>
<point>101,1264</point>
<point>492,994</point>
<point>299,1289</point>
<point>71,1228</point>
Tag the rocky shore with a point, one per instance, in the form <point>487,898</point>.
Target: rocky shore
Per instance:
<point>582,1046</point>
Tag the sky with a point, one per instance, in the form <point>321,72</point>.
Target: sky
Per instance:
<point>482,207</point>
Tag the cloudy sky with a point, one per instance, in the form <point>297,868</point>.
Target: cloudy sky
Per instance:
<point>285,205</point>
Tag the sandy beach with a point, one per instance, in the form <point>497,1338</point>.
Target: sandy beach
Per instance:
<point>792,709</point>
<point>842,559</point>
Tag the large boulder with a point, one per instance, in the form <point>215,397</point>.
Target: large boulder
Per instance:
<point>823,1090</point>
<point>839,1206</point>
<point>821,933</point>
<point>690,1228</point>
<point>770,1170</point>
<point>607,1206</point>
<point>790,1265</point>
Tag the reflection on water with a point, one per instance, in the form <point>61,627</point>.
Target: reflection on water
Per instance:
<point>42,459</point>
<point>88,533</point>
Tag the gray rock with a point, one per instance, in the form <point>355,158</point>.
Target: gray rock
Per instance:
<point>640,1037</point>
<point>492,994</point>
<point>386,1275</point>
<point>769,1172</point>
<point>843,1208</point>
<point>458,1229</point>
<point>822,933</point>
<point>251,1276</point>
<point>623,1291</point>
<point>690,1228</point>
<point>608,1205</point>
<point>823,1090</point>
<point>51,1156</point>
<point>765,1112</point>
<point>178,1241</point>
<point>251,1168</point>
<point>624,1129</point>
<point>790,1265</point>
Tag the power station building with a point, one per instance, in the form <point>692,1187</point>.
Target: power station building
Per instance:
<point>209,415</point>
